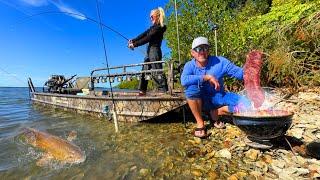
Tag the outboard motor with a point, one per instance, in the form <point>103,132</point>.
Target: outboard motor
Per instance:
<point>57,84</point>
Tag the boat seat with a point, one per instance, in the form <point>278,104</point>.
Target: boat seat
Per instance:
<point>77,86</point>
<point>81,83</point>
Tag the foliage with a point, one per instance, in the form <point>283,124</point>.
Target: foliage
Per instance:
<point>286,30</point>
<point>133,84</point>
<point>296,61</point>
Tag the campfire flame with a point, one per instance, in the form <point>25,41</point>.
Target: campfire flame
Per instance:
<point>266,109</point>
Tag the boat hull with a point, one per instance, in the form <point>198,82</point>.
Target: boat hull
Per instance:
<point>129,107</point>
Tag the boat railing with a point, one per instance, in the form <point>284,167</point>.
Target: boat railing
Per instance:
<point>129,75</point>
<point>127,65</point>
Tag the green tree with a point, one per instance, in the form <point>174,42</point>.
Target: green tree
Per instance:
<point>280,28</point>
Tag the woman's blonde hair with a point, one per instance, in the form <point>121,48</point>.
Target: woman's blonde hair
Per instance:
<point>159,12</point>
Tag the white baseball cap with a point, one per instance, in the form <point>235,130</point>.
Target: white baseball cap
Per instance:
<point>200,41</point>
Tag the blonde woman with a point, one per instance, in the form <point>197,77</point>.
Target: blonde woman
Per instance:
<point>153,36</point>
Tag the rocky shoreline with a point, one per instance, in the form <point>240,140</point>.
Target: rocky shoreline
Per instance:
<point>280,162</point>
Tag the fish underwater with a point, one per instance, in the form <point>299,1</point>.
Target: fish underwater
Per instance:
<point>55,148</point>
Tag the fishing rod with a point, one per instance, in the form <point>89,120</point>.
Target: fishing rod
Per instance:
<point>179,56</point>
<point>177,30</point>
<point>83,16</point>
<point>115,118</point>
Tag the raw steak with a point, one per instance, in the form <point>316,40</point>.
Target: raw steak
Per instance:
<point>252,69</point>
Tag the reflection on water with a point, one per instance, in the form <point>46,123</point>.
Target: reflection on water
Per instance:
<point>138,150</point>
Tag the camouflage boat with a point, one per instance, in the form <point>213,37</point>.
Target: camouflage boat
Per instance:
<point>81,95</point>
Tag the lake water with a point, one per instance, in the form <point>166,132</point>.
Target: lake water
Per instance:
<point>140,150</point>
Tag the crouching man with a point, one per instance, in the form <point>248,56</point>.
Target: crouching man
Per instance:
<point>202,78</point>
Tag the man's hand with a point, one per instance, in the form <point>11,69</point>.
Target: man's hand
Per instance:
<point>213,81</point>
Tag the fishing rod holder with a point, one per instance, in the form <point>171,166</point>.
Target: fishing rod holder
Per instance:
<point>124,74</point>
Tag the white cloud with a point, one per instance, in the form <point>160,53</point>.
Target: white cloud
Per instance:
<point>36,3</point>
<point>57,3</point>
<point>64,8</point>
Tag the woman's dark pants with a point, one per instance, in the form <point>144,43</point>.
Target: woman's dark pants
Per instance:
<point>154,54</point>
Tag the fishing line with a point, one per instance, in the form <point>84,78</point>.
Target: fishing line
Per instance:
<point>107,63</point>
<point>11,75</point>
<point>75,14</point>
<point>79,15</point>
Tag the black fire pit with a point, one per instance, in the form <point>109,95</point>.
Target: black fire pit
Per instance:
<point>260,127</point>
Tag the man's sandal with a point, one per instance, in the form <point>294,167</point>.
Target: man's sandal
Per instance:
<point>201,133</point>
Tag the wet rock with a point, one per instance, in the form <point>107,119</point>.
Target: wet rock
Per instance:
<point>306,125</point>
<point>256,174</point>
<point>233,177</point>
<point>227,144</point>
<point>212,175</point>
<point>193,152</point>
<point>301,161</point>
<point>315,176</point>
<point>252,154</point>
<point>241,175</point>
<point>210,155</point>
<point>298,171</point>
<point>196,172</point>
<point>223,153</point>
<point>314,167</point>
<point>297,132</point>
<point>267,158</point>
<point>278,165</point>
<point>313,161</point>
<point>170,166</point>
<point>208,147</point>
<point>196,141</point>
<point>271,176</point>
<point>309,136</point>
<point>232,132</point>
<point>262,165</point>
<point>285,175</point>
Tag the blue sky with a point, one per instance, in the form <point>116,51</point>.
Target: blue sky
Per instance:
<point>63,44</point>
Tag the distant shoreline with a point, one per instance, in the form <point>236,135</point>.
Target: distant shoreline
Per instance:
<point>16,87</point>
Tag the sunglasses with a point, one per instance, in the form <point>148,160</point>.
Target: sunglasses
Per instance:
<point>201,49</point>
